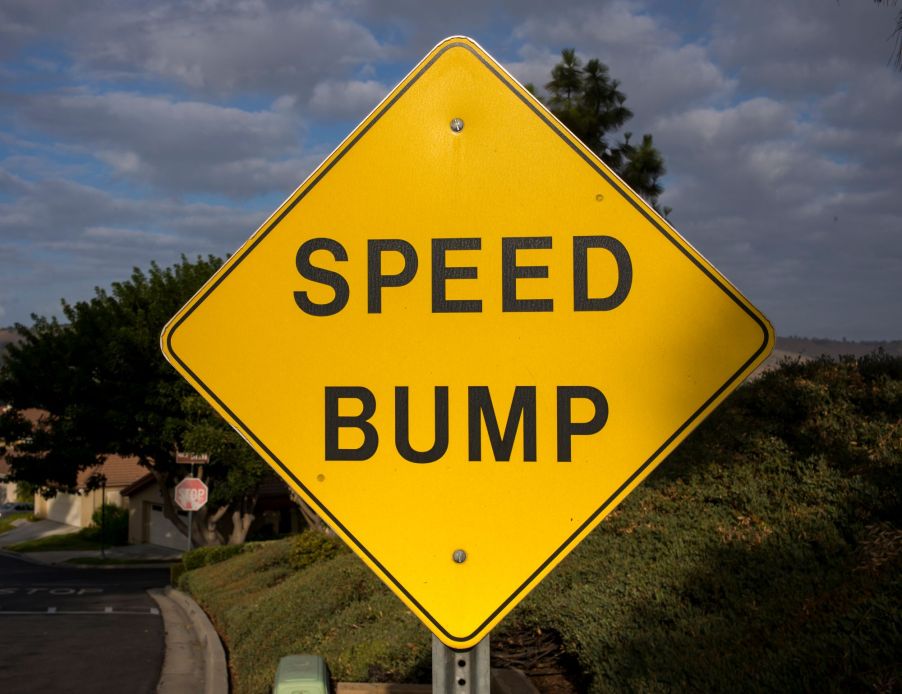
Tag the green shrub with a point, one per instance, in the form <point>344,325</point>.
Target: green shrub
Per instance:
<point>205,556</point>
<point>764,555</point>
<point>175,573</point>
<point>310,547</point>
<point>265,609</point>
<point>114,520</point>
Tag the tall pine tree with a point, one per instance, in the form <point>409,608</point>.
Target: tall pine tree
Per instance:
<point>589,102</point>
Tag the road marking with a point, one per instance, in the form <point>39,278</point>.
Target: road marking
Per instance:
<point>108,610</point>
<point>33,590</point>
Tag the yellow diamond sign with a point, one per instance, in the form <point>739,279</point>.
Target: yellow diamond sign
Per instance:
<point>464,341</point>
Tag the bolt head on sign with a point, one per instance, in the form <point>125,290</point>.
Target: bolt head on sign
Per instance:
<point>191,494</point>
<point>463,341</point>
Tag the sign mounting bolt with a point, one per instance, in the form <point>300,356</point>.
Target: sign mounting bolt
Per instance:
<point>459,556</point>
<point>457,124</point>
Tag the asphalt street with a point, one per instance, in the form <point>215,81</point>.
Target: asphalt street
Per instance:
<point>78,630</point>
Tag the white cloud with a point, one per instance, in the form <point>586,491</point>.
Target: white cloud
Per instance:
<point>346,99</point>
<point>130,236</point>
<point>802,47</point>
<point>252,46</point>
<point>178,146</point>
<point>58,209</point>
<point>658,71</point>
<point>747,121</point>
<point>61,239</point>
<point>9,182</point>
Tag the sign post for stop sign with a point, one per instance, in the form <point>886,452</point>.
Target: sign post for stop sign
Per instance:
<point>191,495</point>
<point>464,340</point>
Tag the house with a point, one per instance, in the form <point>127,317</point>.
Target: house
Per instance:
<point>146,522</point>
<point>131,486</point>
<point>77,509</point>
<point>275,513</point>
<point>7,486</point>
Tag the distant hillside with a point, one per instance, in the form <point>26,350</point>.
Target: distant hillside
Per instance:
<point>816,347</point>
<point>7,336</point>
<point>806,348</point>
<point>787,347</point>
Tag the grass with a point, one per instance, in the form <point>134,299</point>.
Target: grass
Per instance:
<point>76,541</point>
<point>334,606</point>
<point>90,538</point>
<point>766,554</point>
<point>6,523</point>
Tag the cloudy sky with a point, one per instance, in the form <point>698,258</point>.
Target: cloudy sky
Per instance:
<point>135,131</point>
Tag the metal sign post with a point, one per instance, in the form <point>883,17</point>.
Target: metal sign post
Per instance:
<point>190,516</point>
<point>103,519</point>
<point>460,672</point>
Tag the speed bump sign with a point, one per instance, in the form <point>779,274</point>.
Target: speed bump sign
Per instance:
<point>463,341</point>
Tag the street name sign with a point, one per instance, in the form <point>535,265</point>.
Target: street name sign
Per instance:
<point>463,340</point>
<point>191,494</point>
<point>182,458</point>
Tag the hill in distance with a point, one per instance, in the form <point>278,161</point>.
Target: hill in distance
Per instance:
<point>787,347</point>
<point>816,347</point>
<point>7,336</point>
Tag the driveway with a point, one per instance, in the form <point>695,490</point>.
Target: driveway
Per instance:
<point>34,530</point>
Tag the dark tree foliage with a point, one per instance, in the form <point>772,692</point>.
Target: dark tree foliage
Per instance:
<point>589,102</point>
<point>106,388</point>
<point>896,35</point>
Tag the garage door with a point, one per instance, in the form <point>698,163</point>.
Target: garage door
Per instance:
<point>162,532</point>
<point>65,508</point>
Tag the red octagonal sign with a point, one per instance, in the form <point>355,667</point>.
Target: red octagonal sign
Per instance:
<point>191,494</point>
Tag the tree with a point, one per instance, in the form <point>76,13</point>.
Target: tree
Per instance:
<point>896,35</point>
<point>106,388</point>
<point>589,102</point>
<point>233,477</point>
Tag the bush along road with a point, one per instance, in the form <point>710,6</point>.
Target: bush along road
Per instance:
<point>765,554</point>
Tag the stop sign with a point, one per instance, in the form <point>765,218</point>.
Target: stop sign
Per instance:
<point>191,494</point>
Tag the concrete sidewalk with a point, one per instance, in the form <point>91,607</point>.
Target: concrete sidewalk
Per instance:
<point>195,659</point>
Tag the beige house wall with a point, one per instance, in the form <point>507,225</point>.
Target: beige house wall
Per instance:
<point>76,509</point>
<point>147,525</point>
<point>136,512</point>
<point>40,506</point>
<point>8,493</point>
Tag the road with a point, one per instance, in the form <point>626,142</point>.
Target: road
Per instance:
<point>75,630</point>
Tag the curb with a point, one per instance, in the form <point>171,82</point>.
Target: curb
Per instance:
<point>27,556</point>
<point>19,555</point>
<point>194,660</point>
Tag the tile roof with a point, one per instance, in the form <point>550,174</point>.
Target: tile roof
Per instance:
<point>137,485</point>
<point>32,415</point>
<point>119,471</point>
